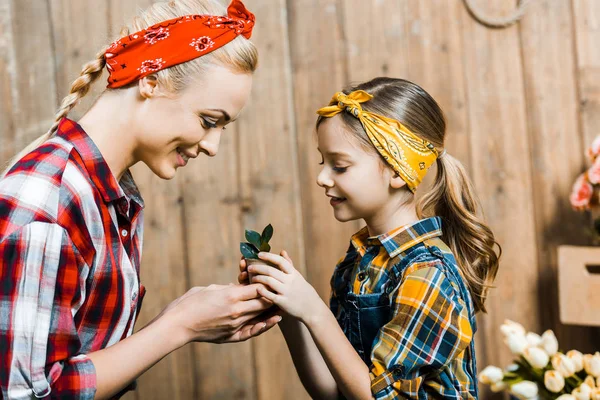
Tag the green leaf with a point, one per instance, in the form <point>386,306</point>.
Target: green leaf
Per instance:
<point>266,247</point>
<point>248,251</point>
<point>267,233</point>
<point>253,238</point>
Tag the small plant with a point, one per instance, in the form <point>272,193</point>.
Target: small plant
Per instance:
<point>257,242</point>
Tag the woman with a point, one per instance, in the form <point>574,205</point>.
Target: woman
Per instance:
<point>71,216</point>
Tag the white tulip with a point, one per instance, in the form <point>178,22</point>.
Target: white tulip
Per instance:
<point>595,395</point>
<point>511,327</point>
<point>497,387</point>
<point>549,342</point>
<point>491,374</point>
<point>590,381</point>
<point>516,343</point>
<point>566,397</point>
<point>554,381</point>
<point>592,364</point>
<point>533,339</point>
<point>536,357</point>
<point>524,390</point>
<point>563,364</point>
<point>577,358</point>
<point>583,392</point>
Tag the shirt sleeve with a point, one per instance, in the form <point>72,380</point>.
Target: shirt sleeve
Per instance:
<point>429,329</point>
<point>42,284</point>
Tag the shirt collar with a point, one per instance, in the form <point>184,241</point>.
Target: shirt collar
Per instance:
<point>96,166</point>
<point>399,239</point>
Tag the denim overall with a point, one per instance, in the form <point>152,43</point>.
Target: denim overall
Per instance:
<point>362,316</point>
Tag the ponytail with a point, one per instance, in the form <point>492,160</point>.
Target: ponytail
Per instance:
<point>79,88</point>
<point>452,197</point>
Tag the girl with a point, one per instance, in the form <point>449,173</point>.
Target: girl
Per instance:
<point>71,216</point>
<point>401,317</point>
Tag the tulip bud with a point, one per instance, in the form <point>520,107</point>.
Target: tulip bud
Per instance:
<point>590,381</point>
<point>524,390</point>
<point>577,358</point>
<point>536,357</point>
<point>554,381</point>
<point>549,343</point>
<point>582,392</point>
<point>491,374</point>
<point>511,327</point>
<point>533,339</point>
<point>516,343</point>
<point>563,364</point>
<point>497,387</point>
<point>592,364</point>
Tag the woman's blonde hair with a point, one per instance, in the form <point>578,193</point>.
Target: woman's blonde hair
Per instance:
<point>240,55</point>
<point>452,196</point>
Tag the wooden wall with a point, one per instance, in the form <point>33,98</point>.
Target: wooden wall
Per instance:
<point>522,103</point>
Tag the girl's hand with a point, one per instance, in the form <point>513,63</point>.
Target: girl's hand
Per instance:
<point>243,276</point>
<point>291,292</point>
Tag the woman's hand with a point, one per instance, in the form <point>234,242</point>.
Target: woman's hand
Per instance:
<point>220,314</point>
<point>290,291</point>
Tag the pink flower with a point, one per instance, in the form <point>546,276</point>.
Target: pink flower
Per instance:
<point>582,193</point>
<point>594,172</point>
<point>594,150</point>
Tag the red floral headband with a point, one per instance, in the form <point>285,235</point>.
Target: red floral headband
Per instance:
<point>173,42</point>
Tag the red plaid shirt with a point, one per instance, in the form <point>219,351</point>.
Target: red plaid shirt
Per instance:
<point>70,240</point>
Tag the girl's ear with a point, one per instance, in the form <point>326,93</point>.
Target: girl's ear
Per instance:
<point>148,86</point>
<point>396,182</point>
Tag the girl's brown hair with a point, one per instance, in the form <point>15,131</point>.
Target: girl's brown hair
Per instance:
<point>240,55</point>
<point>452,196</point>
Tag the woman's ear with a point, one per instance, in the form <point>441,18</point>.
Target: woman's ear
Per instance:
<point>396,182</point>
<point>148,86</point>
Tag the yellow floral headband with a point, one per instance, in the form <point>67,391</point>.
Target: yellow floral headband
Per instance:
<point>408,155</point>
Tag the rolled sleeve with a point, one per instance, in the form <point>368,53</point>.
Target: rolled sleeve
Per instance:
<point>42,285</point>
<point>429,329</point>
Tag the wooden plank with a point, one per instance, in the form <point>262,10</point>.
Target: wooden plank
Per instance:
<point>318,70</point>
<point>31,70</point>
<point>551,93</point>
<point>78,35</point>
<point>213,230</point>
<point>268,173</point>
<point>164,269</point>
<point>7,76</point>
<point>502,156</point>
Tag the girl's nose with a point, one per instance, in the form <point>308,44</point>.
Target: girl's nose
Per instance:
<point>210,144</point>
<point>324,180</point>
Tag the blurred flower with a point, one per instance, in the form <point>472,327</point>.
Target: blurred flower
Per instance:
<point>589,380</point>
<point>490,375</point>
<point>582,392</point>
<point>563,364</point>
<point>582,193</point>
<point>536,357</point>
<point>498,386</point>
<point>594,149</point>
<point>554,381</point>
<point>516,343</point>
<point>577,358</point>
<point>566,397</point>
<point>595,394</point>
<point>594,172</point>
<point>533,339</point>
<point>549,343</point>
<point>591,363</point>
<point>524,390</point>
<point>511,327</point>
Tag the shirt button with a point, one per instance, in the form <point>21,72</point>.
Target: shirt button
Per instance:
<point>124,232</point>
<point>362,276</point>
